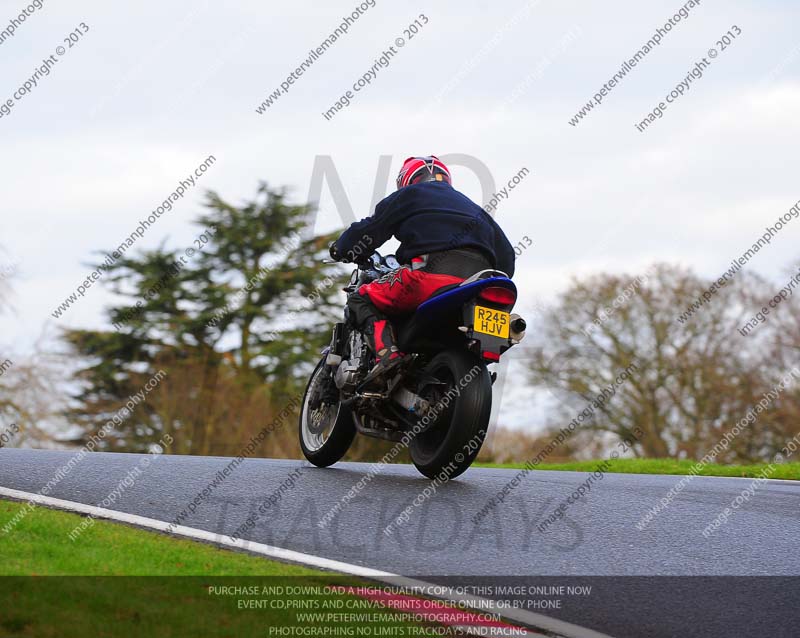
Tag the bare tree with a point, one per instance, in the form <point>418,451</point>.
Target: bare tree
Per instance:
<point>776,342</point>
<point>692,377</point>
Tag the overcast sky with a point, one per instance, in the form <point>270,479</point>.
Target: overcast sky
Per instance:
<point>154,88</point>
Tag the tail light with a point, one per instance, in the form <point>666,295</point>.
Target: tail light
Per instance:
<point>496,294</point>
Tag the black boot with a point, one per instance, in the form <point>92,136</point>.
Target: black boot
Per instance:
<point>382,342</point>
<point>379,332</point>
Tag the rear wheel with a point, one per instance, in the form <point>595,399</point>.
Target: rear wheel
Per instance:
<point>326,426</point>
<point>460,395</point>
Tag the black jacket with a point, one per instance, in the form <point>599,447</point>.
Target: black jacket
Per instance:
<point>430,217</point>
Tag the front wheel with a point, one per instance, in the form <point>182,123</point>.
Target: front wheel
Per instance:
<point>460,397</point>
<point>326,426</point>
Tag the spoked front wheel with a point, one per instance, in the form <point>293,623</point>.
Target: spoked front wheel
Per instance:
<point>326,426</point>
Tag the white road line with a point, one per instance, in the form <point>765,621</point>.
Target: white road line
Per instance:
<point>560,627</point>
<point>198,534</point>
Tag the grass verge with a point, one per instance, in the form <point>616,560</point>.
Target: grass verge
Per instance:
<point>788,471</point>
<point>115,580</point>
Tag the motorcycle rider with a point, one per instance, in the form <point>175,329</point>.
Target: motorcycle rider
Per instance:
<point>444,239</point>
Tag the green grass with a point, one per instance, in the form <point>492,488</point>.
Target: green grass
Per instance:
<point>790,471</point>
<point>115,580</point>
<point>40,546</point>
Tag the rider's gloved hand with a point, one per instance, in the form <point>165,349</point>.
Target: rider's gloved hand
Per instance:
<point>334,252</point>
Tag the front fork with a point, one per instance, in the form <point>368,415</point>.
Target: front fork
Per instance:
<point>335,350</point>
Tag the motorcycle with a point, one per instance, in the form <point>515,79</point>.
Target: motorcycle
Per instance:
<point>438,397</point>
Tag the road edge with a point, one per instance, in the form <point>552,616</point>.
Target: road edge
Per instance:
<point>532,619</point>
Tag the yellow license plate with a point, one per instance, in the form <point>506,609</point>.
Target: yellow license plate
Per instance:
<point>491,322</point>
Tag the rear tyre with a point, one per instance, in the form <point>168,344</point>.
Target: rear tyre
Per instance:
<point>449,446</point>
<point>326,426</point>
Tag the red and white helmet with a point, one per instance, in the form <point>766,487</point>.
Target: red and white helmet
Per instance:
<point>422,169</point>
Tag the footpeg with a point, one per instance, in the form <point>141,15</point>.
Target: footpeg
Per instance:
<point>381,370</point>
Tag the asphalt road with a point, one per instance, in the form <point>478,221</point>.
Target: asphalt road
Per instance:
<point>596,544</point>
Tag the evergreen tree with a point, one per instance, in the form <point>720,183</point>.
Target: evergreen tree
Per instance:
<point>236,321</point>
